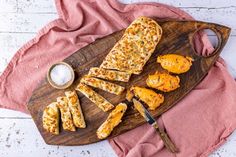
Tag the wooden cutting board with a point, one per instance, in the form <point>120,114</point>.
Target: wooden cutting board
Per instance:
<point>177,38</point>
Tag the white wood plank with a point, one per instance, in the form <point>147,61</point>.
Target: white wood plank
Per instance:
<point>188,3</point>
<point>8,6</point>
<point>20,137</point>
<point>222,12</point>
<point>228,149</point>
<point>229,55</point>
<point>36,6</point>
<point>47,6</point>
<point>28,142</point>
<point>10,114</point>
<point>10,43</point>
<point>24,23</point>
<point>224,16</point>
<point>15,22</point>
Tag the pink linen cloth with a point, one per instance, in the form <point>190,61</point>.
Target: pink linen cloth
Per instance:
<point>197,125</point>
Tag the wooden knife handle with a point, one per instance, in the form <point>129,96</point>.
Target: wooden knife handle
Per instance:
<point>165,138</point>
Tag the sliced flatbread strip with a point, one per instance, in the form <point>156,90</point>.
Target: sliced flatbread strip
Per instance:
<point>135,47</point>
<point>66,118</point>
<point>97,99</point>
<point>112,75</point>
<point>51,118</point>
<point>112,121</point>
<point>101,84</point>
<point>75,109</point>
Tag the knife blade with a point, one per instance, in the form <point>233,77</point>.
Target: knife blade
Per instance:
<point>148,117</point>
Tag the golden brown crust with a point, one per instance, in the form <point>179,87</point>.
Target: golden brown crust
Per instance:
<point>175,63</point>
<point>97,99</point>
<point>75,109</point>
<point>66,117</point>
<point>107,74</point>
<point>163,82</point>
<point>113,119</point>
<point>148,96</point>
<point>129,95</point>
<point>101,84</point>
<point>135,47</point>
<point>51,118</point>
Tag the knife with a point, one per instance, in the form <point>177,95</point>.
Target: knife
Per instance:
<point>148,117</point>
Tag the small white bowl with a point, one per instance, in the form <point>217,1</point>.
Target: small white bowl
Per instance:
<point>66,85</point>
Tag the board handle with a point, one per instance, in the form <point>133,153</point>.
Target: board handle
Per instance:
<point>222,33</point>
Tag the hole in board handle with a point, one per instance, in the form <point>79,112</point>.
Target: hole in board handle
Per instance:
<point>206,42</point>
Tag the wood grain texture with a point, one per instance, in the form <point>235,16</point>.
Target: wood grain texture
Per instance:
<point>177,38</point>
<point>32,143</point>
<point>20,138</point>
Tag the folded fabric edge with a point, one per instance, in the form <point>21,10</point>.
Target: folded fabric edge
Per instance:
<point>222,141</point>
<point>16,108</point>
<point>27,45</point>
<point>115,146</point>
<point>15,58</point>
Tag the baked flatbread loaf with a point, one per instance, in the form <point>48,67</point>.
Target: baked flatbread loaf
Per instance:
<point>113,119</point>
<point>101,84</point>
<point>66,118</point>
<point>135,47</point>
<point>97,99</point>
<point>107,74</point>
<point>51,118</point>
<point>75,109</point>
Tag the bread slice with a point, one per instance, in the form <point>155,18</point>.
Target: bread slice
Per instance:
<point>101,84</point>
<point>66,118</point>
<point>113,119</point>
<point>51,118</point>
<point>107,74</point>
<point>93,96</point>
<point>75,109</point>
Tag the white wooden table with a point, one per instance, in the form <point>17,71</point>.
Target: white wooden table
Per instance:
<point>19,22</point>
